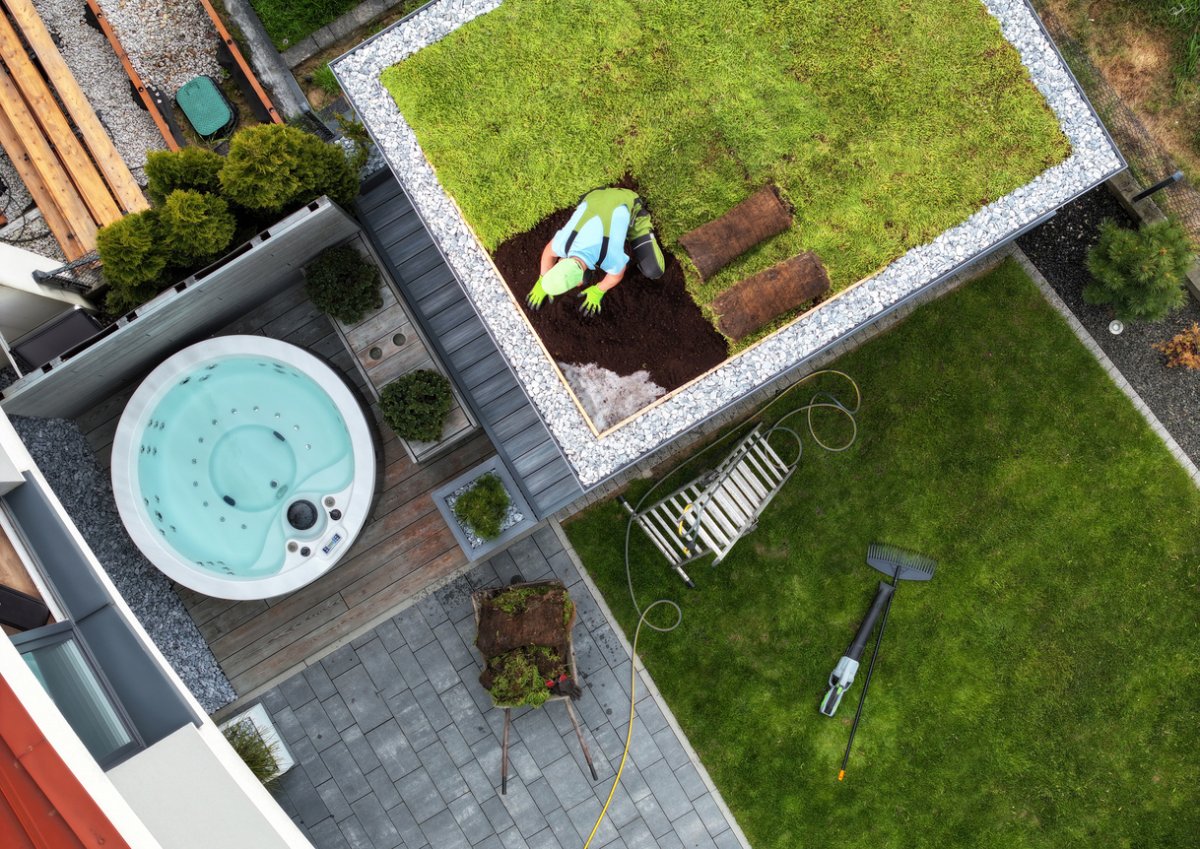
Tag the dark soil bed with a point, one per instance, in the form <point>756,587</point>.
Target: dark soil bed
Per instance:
<point>644,324</point>
<point>1059,250</point>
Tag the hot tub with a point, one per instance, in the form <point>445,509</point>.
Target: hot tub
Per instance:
<point>243,467</point>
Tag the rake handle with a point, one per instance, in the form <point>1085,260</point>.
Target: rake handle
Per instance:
<point>862,697</point>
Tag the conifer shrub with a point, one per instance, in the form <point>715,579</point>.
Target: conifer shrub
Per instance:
<point>482,508</point>
<point>1140,273</point>
<point>196,225</point>
<point>187,168</point>
<point>273,166</point>
<point>415,405</point>
<point>341,282</point>
<point>134,258</point>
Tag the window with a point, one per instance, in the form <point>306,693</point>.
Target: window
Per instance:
<point>61,663</point>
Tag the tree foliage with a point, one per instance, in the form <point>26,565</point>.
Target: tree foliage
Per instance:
<point>274,166</point>
<point>196,225</point>
<point>187,168</point>
<point>1140,273</point>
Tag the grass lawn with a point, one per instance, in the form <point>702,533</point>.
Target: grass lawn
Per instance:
<point>884,123</point>
<point>289,21</point>
<point>1042,691</point>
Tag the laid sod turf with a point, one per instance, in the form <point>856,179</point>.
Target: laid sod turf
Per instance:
<point>884,123</point>
<point>1042,691</point>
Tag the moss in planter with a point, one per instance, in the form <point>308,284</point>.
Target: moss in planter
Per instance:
<point>416,405</point>
<point>343,283</point>
<point>257,753</point>
<point>482,508</point>
<point>519,677</point>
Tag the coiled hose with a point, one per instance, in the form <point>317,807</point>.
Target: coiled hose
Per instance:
<point>820,400</point>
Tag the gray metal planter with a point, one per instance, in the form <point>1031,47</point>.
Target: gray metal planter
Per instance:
<point>523,519</point>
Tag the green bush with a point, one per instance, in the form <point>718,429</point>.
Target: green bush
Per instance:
<point>187,168</point>
<point>415,405</point>
<point>253,749</point>
<point>273,167</point>
<point>482,508</point>
<point>516,679</point>
<point>343,283</point>
<point>196,225</point>
<point>1140,273</point>
<point>134,257</point>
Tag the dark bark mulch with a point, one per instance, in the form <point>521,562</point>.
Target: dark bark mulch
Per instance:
<point>1059,250</point>
<point>643,324</point>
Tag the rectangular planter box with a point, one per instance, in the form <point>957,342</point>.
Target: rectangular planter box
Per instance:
<point>509,535</point>
<point>377,334</point>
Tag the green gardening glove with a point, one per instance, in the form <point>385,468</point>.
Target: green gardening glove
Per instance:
<point>591,300</point>
<point>537,295</point>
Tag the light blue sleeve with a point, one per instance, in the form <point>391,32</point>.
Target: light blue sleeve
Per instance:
<point>559,243</point>
<point>617,259</point>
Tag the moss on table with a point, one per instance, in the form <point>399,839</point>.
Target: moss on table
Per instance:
<point>884,123</point>
<point>1041,691</point>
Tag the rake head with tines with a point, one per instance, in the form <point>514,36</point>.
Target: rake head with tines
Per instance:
<point>900,564</point>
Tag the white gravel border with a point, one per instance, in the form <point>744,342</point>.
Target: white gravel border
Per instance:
<point>1093,159</point>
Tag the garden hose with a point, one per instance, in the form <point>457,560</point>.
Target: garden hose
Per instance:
<point>643,614</point>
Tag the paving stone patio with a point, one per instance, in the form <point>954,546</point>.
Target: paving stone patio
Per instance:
<point>398,745</point>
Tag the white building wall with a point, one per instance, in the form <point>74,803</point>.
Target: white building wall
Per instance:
<point>24,303</point>
<point>193,792</point>
<point>195,763</point>
<point>70,748</point>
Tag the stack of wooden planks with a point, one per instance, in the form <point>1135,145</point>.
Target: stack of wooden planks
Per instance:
<point>78,182</point>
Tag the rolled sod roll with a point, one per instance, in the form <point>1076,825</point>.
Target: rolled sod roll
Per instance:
<point>714,245</point>
<point>758,300</point>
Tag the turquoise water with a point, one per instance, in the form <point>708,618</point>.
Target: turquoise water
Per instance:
<point>227,449</point>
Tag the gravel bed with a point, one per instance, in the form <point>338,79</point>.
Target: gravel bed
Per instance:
<point>1092,160</point>
<point>1059,250</point>
<point>65,458</point>
<point>168,41</point>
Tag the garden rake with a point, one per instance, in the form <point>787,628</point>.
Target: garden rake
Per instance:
<point>899,565</point>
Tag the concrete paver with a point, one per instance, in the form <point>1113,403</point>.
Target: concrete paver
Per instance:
<point>398,746</point>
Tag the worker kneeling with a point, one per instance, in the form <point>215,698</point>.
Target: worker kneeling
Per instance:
<point>595,237</point>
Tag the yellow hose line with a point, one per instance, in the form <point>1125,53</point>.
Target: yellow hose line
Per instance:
<point>632,707</point>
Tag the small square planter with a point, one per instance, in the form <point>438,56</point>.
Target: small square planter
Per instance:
<point>521,518</point>
<point>261,720</point>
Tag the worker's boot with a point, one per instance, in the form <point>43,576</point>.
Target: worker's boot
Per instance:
<point>643,245</point>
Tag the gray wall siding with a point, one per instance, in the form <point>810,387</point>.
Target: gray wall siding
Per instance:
<point>186,313</point>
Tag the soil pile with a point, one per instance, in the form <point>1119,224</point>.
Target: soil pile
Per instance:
<point>643,324</point>
<point>522,626</point>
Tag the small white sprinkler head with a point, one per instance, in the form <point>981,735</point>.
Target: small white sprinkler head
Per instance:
<point>1115,327</point>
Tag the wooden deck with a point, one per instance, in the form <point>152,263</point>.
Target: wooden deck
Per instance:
<point>404,547</point>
